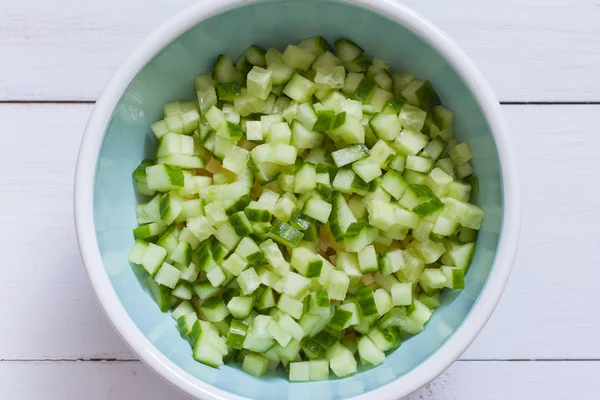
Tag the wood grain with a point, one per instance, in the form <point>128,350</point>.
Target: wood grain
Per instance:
<point>465,380</point>
<point>546,313</point>
<point>539,50</point>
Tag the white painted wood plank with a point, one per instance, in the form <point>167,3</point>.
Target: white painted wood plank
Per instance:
<point>83,380</point>
<point>539,50</point>
<point>547,310</point>
<point>491,380</point>
<point>465,380</point>
<point>53,312</point>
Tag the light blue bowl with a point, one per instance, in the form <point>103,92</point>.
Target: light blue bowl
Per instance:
<point>163,69</point>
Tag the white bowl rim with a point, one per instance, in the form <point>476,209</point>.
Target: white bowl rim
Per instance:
<point>93,137</point>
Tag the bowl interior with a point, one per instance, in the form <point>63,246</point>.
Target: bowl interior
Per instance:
<point>169,76</point>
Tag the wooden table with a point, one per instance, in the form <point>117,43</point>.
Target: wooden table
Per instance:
<point>541,56</point>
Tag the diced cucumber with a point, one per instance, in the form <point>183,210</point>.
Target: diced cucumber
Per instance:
<point>214,309</point>
<point>160,293</point>
<point>235,264</point>
<point>293,284</point>
<point>248,281</point>
<point>164,177</point>
<point>348,128</point>
<point>259,82</point>
<point>367,169</point>
<point>284,233</point>
<point>347,50</point>
<point>366,301</point>
<point>369,352</point>
<point>331,77</point>
<point>291,327</point>
<point>349,155</point>
<point>410,142</point>
<point>216,276</point>
<point>460,154</point>
<point>419,164</point>
<point>305,178</point>
<point>365,90</point>
<point>367,260</point>
<point>299,371</point>
<point>255,364</point>
<point>385,126</point>
<point>167,275</point>
<point>383,301</point>
<point>341,216</point>
<point>341,360</point>
<point>325,59</point>
<point>306,262</point>
<point>317,45</point>
<point>294,162</point>
<point>412,117</point>
<point>290,306</point>
<point>337,284</point>
<point>317,208</point>
<point>421,93</point>
<point>153,258</point>
<point>298,57</point>
<point>237,334</point>
<point>299,89</point>
<point>240,307</point>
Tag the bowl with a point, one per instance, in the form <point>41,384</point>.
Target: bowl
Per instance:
<point>162,69</point>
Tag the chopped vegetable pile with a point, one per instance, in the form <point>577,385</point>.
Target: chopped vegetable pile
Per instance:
<point>307,210</point>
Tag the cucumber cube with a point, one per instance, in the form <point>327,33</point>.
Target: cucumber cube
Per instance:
<point>341,360</point>
<point>153,258</point>
<point>259,83</point>
<point>306,262</point>
<point>282,154</point>
<point>167,275</point>
<point>410,142</point>
<point>240,307</point>
<point>216,276</point>
<point>318,370</point>
<point>412,117</point>
<point>214,309</point>
<point>317,208</point>
<point>255,364</point>
<point>234,264</point>
<point>248,281</point>
<point>367,260</point>
<point>136,254</point>
<point>369,352</point>
<point>299,89</point>
<point>305,178</point>
<point>297,57</point>
<point>182,253</point>
<point>288,324</point>
<point>285,234</point>
<point>290,306</point>
<point>164,177</point>
<point>367,169</point>
<point>299,371</point>
<point>280,132</point>
<point>402,294</point>
<point>237,334</point>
